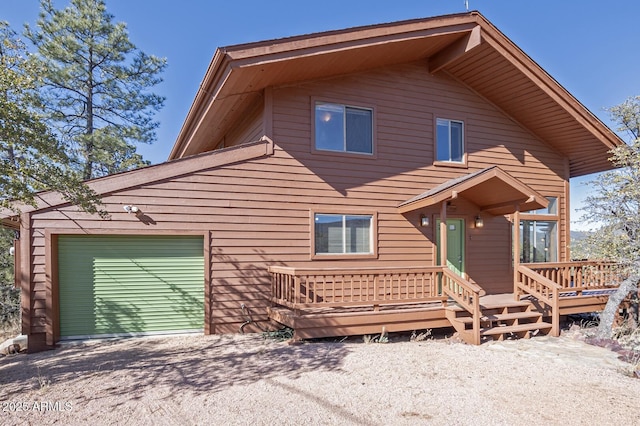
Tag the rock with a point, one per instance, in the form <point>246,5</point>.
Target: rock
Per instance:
<point>14,346</point>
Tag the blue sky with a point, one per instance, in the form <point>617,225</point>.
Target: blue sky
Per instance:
<point>588,46</point>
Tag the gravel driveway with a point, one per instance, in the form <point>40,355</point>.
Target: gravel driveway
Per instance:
<point>245,380</point>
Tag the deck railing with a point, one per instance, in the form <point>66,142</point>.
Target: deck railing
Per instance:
<point>299,288</point>
<point>467,295</point>
<point>546,291</point>
<point>579,276</point>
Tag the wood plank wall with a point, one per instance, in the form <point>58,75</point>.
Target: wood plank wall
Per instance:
<point>258,211</point>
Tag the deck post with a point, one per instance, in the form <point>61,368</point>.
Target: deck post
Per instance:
<point>443,234</point>
<point>555,313</point>
<point>297,296</point>
<point>516,252</point>
<point>476,321</point>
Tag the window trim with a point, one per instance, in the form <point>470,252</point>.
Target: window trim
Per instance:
<point>345,104</point>
<point>343,256</point>
<point>448,163</point>
<point>545,217</point>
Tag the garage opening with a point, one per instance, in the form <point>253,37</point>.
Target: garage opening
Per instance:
<point>130,285</point>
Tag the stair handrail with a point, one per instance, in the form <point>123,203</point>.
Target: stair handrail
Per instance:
<point>467,295</point>
<point>545,290</point>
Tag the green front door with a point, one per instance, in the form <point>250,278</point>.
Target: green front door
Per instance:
<point>127,285</point>
<point>455,244</point>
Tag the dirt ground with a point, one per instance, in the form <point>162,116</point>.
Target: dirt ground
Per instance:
<point>246,380</point>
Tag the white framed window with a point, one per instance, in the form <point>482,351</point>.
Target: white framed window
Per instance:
<point>539,234</point>
<point>538,241</point>
<point>450,141</point>
<point>342,234</point>
<point>342,128</point>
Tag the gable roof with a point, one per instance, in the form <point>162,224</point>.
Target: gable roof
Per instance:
<point>492,189</point>
<point>465,46</point>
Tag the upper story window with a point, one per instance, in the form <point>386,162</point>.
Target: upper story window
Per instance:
<point>449,140</point>
<point>342,128</point>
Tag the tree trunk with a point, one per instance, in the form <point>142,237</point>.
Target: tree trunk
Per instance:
<point>89,146</point>
<point>609,313</point>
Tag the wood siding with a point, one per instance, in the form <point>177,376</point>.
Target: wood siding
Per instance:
<point>406,100</point>
<point>257,211</point>
<point>251,128</point>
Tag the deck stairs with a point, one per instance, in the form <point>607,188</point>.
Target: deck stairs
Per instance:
<point>500,318</point>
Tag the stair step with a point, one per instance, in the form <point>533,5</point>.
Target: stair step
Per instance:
<point>502,317</point>
<point>493,306</point>
<point>514,328</point>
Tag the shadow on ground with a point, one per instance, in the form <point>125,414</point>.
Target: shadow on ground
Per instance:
<point>177,364</point>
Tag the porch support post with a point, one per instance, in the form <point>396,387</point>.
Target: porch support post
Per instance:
<point>443,234</point>
<point>516,251</point>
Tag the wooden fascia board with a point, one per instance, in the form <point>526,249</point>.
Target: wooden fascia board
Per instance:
<point>432,200</point>
<point>447,193</point>
<point>455,50</point>
<point>549,85</point>
<point>11,221</point>
<point>216,75</point>
<point>496,209</point>
<point>226,60</point>
<point>168,170</point>
<point>268,57</point>
<point>459,189</point>
<point>354,36</point>
<point>207,107</point>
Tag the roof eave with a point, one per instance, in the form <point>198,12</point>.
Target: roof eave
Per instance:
<point>229,63</point>
<point>232,58</point>
<point>145,175</point>
<point>204,96</point>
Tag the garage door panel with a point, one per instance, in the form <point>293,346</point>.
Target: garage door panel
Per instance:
<point>130,284</point>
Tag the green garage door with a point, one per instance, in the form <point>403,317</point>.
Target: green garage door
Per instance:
<point>127,285</point>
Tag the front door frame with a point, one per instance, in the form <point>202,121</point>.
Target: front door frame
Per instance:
<point>443,244</point>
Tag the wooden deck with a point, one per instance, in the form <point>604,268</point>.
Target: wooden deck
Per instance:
<point>331,302</point>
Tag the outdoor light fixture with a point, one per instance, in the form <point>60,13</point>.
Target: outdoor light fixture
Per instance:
<point>424,220</point>
<point>132,209</point>
<point>478,222</point>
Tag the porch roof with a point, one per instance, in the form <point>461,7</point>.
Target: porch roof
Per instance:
<point>492,189</point>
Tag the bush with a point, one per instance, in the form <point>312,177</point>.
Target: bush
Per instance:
<point>9,304</point>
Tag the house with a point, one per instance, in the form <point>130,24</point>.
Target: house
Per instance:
<point>338,183</point>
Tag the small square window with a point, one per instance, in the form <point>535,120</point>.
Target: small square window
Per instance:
<point>343,128</point>
<point>449,140</point>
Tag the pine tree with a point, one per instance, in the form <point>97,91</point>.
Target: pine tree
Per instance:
<point>96,86</point>
<point>31,159</point>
